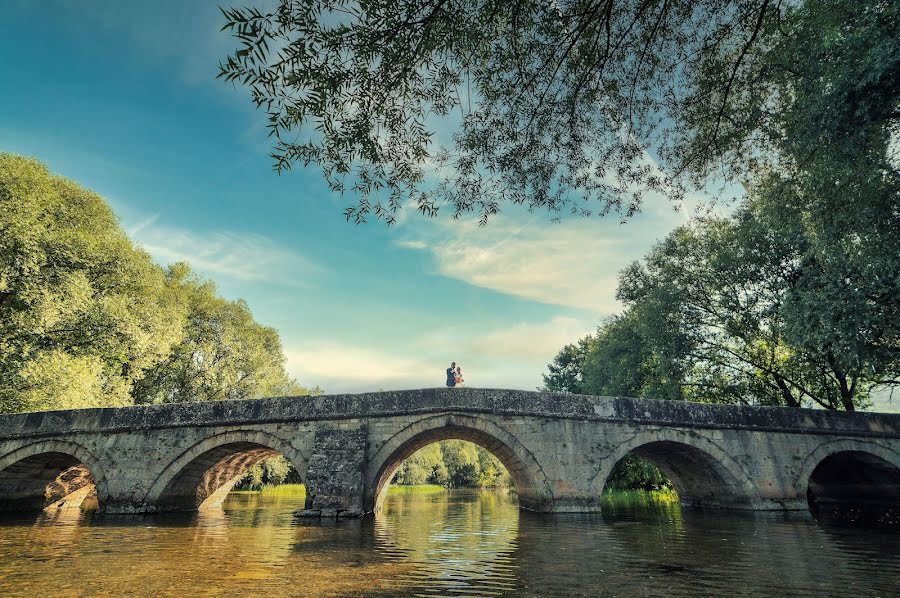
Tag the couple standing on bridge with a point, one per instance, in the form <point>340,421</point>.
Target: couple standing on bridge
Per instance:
<point>454,375</point>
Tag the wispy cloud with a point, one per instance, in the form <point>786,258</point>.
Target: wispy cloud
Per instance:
<point>574,263</point>
<point>340,368</point>
<point>531,340</point>
<point>506,357</point>
<point>248,257</point>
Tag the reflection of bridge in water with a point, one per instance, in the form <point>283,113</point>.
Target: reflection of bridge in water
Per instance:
<point>559,450</point>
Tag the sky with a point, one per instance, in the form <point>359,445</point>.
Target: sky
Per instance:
<point>122,98</point>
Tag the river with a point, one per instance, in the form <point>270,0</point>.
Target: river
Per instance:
<point>459,543</point>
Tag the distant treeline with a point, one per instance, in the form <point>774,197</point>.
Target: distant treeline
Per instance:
<point>87,319</point>
<point>454,464</point>
<point>448,463</point>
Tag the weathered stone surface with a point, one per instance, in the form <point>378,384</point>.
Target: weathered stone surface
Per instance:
<point>559,449</point>
<point>334,478</point>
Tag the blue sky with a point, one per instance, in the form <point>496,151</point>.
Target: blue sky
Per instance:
<point>122,97</point>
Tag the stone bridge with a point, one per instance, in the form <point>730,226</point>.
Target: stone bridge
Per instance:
<point>559,450</point>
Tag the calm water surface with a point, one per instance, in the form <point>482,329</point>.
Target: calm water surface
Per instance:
<point>449,543</point>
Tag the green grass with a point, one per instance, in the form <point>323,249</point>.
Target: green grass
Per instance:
<point>284,490</point>
<point>291,490</point>
<point>666,495</point>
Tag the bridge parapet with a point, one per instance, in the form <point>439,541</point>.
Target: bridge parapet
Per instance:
<point>464,400</point>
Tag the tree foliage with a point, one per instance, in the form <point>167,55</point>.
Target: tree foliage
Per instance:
<point>633,472</point>
<point>750,309</point>
<point>795,298</point>
<point>552,105</point>
<point>453,463</point>
<point>273,471</point>
<point>82,311</point>
<point>577,105</point>
<point>88,320</point>
<point>223,354</point>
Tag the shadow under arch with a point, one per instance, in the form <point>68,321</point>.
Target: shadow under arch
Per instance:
<point>703,474</point>
<point>48,474</point>
<point>203,475</point>
<point>532,486</point>
<point>851,474</point>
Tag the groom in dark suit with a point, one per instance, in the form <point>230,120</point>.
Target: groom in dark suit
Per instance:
<point>451,375</point>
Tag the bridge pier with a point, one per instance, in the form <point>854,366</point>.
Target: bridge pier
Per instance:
<point>334,478</point>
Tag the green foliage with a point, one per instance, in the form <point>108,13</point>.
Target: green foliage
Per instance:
<point>452,463</point>
<point>88,320</point>
<point>636,473</point>
<point>566,371</point>
<point>425,466</point>
<point>554,105</point>
<point>82,311</point>
<point>751,309</point>
<point>274,471</point>
<point>223,354</point>
<point>794,299</point>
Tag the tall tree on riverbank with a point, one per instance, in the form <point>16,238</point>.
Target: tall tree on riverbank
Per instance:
<point>88,320</point>
<point>747,309</point>
<point>223,354</point>
<point>82,311</point>
<point>795,299</point>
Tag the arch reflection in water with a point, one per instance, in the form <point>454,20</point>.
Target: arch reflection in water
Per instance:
<point>458,542</point>
<point>419,546</point>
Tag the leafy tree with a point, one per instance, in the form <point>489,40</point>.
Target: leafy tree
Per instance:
<point>636,473</point>
<point>268,472</point>
<point>88,320</point>
<point>565,105</point>
<point>752,309</point>
<point>493,474</point>
<point>453,463</point>
<point>622,362</point>
<point>566,371</point>
<point>463,465</point>
<point>82,311</point>
<point>223,353</point>
<point>425,466</point>
<point>552,103</point>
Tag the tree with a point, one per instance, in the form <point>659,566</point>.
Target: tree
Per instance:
<point>452,463</point>
<point>633,472</point>
<point>463,464</point>
<point>566,371</point>
<point>82,311</point>
<point>88,320</point>
<point>425,466</point>
<point>575,105</point>
<point>752,309</point>
<point>223,352</point>
<point>273,471</point>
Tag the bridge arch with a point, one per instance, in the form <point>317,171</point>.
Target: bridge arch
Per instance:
<point>531,484</point>
<point>704,475</point>
<point>50,473</point>
<point>202,476</point>
<point>850,472</point>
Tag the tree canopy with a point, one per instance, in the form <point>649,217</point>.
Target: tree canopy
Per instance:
<point>576,106</point>
<point>89,320</point>
<point>749,309</point>
<point>453,463</point>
